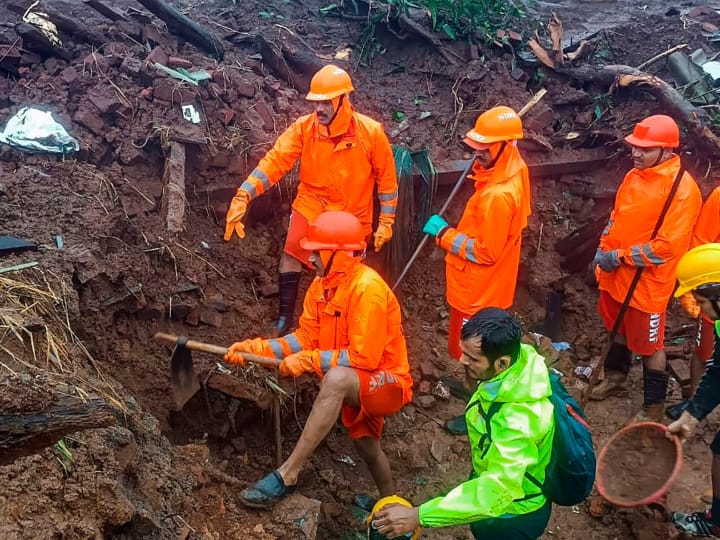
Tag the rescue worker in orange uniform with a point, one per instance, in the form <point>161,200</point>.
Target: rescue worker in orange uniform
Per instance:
<point>350,334</point>
<point>343,154</point>
<point>707,231</point>
<point>481,265</point>
<point>626,245</point>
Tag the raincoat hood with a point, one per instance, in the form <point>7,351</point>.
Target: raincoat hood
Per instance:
<point>343,118</point>
<point>343,265</point>
<point>526,380</point>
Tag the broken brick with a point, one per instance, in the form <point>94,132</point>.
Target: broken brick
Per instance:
<point>157,55</point>
<point>244,88</point>
<point>216,302</point>
<point>211,318</point>
<point>129,28</point>
<point>107,102</point>
<point>539,118</point>
<point>272,87</point>
<point>52,65</point>
<point>147,93</point>
<point>151,312</point>
<point>88,117</point>
<point>228,115</point>
<point>169,90</point>
<point>181,310</point>
<point>193,318</point>
<point>175,61</point>
<point>265,115</point>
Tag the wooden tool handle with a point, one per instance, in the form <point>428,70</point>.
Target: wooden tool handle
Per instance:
<point>162,337</point>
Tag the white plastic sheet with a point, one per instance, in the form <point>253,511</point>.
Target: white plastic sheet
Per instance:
<point>34,130</point>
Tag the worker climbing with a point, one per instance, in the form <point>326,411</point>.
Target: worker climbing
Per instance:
<point>481,265</point>
<point>350,334</point>
<point>343,156</point>
<point>657,193</point>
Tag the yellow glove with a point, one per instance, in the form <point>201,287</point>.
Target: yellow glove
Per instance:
<point>383,234</point>
<point>683,427</point>
<point>297,364</point>
<point>257,346</point>
<point>237,210</point>
<point>690,305</point>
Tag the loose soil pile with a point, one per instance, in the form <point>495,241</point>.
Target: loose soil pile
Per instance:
<point>120,275</point>
<point>637,465</point>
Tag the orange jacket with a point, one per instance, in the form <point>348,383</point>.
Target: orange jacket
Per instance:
<point>484,250</point>
<point>707,228</point>
<point>638,203</point>
<point>338,169</point>
<point>351,318</point>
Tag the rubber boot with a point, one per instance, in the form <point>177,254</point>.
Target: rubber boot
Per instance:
<point>289,283</point>
<point>611,385</point>
<point>617,365</point>
<point>655,384</point>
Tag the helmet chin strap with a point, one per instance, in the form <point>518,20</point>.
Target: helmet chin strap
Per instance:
<point>657,161</point>
<point>495,159</point>
<point>326,268</point>
<point>336,111</point>
<point>716,306</point>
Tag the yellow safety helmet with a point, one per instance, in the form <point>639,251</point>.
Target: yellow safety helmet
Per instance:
<point>699,266</point>
<point>373,534</point>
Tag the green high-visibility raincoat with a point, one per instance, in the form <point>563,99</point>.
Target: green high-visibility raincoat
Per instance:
<point>521,441</point>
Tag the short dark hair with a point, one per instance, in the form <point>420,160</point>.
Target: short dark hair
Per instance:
<point>499,331</point>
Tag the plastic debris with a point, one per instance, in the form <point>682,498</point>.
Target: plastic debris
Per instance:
<point>42,22</point>
<point>204,244</point>
<point>583,372</point>
<point>190,114</point>
<point>441,391</point>
<point>59,241</point>
<point>347,460</point>
<point>34,130</point>
<point>561,346</point>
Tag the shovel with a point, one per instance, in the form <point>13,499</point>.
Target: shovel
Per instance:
<point>184,381</point>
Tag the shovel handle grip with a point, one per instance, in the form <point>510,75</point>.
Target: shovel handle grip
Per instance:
<point>170,339</point>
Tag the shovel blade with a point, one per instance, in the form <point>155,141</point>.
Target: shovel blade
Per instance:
<point>184,381</point>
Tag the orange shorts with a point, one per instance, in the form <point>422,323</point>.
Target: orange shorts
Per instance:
<point>457,320</point>
<point>644,332</point>
<point>381,395</point>
<point>705,339</point>
<point>296,231</point>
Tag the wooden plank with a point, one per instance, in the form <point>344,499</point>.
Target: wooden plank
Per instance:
<point>173,201</point>
<point>679,370</point>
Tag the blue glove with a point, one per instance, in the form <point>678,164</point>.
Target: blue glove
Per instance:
<point>607,260</point>
<point>434,225</point>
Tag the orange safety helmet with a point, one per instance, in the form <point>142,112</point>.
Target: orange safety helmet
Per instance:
<point>334,230</point>
<point>329,82</point>
<point>657,131</point>
<point>494,125</point>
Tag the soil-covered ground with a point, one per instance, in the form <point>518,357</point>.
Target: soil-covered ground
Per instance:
<point>119,275</point>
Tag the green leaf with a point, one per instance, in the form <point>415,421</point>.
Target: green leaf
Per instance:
<point>266,14</point>
<point>448,30</point>
<point>418,101</point>
<point>327,9</point>
<point>598,111</point>
<point>398,115</point>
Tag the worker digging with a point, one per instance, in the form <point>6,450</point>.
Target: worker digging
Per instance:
<point>298,270</point>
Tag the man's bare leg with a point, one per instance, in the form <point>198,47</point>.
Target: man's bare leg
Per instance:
<point>340,386</point>
<point>372,453</point>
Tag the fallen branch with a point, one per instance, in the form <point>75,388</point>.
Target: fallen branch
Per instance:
<point>32,419</point>
<point>695,119</point>
<point>63,23</point>
<point>104,10</point>
<point>662,55</point>
<point>185,27</point>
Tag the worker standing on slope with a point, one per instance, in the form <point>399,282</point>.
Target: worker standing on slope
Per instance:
<point>350,334</point>
<point>343,154</point>
<point>626,245</point>
<point>481,265</point>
